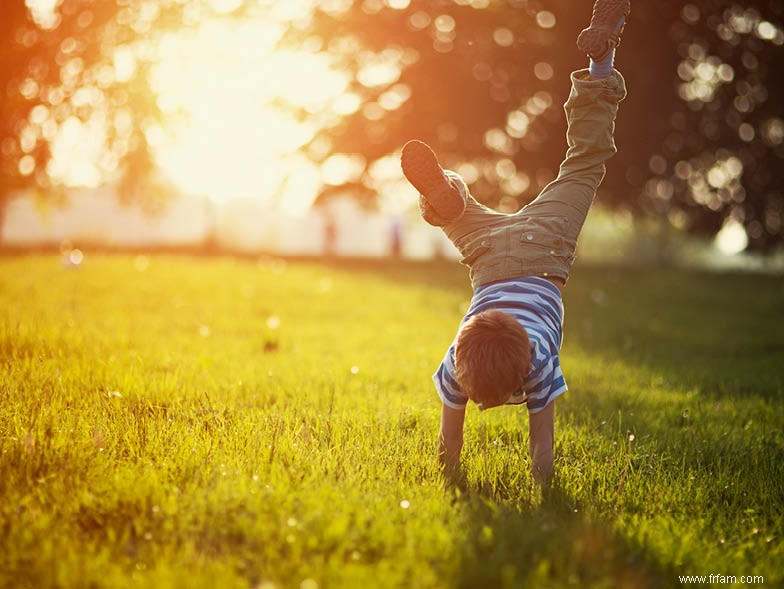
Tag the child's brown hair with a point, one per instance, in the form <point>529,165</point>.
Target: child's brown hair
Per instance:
<point>492,357</point>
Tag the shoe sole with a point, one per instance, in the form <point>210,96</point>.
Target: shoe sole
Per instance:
<point>601,32</point>
<point>420,165</point>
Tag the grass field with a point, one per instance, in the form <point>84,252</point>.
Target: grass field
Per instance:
<point>191,422</point>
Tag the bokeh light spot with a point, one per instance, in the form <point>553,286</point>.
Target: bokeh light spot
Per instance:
<point>503,37</point>
<point>27,165</point>
<point>420,20</point>
<point>544,71</point>
<point>732,239</point>
<point>445,23</point>
<point>545,19</point>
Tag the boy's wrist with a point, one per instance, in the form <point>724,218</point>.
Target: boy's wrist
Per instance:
<point>453,475</point>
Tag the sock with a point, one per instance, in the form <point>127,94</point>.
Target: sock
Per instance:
<point>603,68</point>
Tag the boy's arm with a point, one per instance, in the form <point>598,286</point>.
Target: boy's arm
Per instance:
<point>540,436</point>
<point>450,439</point>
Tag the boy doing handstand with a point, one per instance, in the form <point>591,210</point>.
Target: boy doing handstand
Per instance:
<point>506,348</point>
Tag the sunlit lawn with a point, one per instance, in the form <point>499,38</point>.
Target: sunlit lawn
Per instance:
<point>233,423</point>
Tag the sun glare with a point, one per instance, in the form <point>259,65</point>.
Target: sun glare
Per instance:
<point>237,108</point>
<point>230,98</point>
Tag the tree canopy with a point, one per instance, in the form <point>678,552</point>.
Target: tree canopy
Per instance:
<point>700,136</point>
<point>63,67</point>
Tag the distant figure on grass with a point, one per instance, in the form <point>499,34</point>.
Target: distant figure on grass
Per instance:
<point>506,348</point>
<point>330,235</point>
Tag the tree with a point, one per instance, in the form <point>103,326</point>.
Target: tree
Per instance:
<point>700,135</point>
<point>723,151</point>
<point>90,59</point>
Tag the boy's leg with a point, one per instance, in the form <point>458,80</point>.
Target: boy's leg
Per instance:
<point>446,202</point>
<point>558,213</point>
<point>590,111</point>
<point>444,197</point>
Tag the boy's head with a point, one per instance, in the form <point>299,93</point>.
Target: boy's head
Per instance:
<point>492,357</point>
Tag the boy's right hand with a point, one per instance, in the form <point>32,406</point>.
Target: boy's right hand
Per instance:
<point>454,479</point>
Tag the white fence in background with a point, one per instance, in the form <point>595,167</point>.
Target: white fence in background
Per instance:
<point>95,217</point>
<point>341,229</point>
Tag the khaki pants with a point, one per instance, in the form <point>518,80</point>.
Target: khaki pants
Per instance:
<point>540,239</point>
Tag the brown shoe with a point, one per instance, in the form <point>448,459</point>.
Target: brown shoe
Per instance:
<point>604,33</point>
<point>443,202</point>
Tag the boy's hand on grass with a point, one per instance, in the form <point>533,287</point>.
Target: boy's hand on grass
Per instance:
<point>454,479</point>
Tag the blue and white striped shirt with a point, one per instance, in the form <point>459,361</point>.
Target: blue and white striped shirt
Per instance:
<point>536,303</point>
